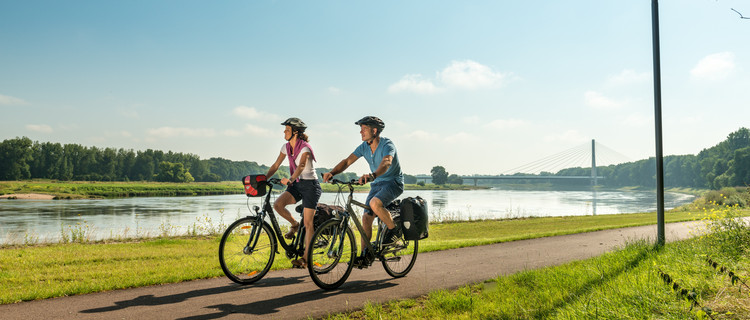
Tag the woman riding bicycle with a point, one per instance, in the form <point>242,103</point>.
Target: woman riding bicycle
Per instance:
<point>303,183</point>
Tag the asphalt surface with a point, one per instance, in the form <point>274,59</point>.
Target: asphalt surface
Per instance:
<point>290,294</point>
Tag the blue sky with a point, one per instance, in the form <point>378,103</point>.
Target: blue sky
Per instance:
<point>475,86</point>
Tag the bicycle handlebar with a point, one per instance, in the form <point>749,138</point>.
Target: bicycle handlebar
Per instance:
<point>353,182</point>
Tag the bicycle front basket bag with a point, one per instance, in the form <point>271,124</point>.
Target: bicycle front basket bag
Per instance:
<point>414,219</point>
<point>255,185</point>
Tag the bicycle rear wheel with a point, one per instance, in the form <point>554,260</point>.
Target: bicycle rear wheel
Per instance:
<point>399,258</point>
<point>331,253</point>
<point>242,262</point>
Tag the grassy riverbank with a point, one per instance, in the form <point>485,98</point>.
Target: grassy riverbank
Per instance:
<point>97,189</point>
<point>637,282</point>
<point>45,271</point>
<point>700,278</point>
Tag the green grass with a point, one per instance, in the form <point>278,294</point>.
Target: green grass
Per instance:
<point>626,284</point>
<point>46,271</point>
<point>700,278</point>
<point>89,189</point>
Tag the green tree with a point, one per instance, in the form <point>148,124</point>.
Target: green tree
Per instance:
<point>173,172</point>
<point>15,155</point>
<point>455,179</point>
<point>439,175</point>
<point>740,168</point>
<point>410,179</point>
<point>143,169</point>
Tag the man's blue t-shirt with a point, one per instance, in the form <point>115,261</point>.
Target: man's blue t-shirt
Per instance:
<point>385,148</point>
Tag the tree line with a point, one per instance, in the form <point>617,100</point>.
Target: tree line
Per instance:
<point>723,165</point>
<point>726,164</point>
<point>22,159</point>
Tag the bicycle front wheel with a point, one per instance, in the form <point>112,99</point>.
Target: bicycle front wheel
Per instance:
<point>399,258</point>
<point>329,259</point>
<point>244,260</point>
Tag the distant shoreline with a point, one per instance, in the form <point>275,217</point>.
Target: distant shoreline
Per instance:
<point>58,190</point>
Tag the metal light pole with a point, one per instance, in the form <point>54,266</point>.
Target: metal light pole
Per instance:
<point>593,162</point>
<point>657,119</point>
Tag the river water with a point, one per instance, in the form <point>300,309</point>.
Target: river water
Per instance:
<point>31,221</point>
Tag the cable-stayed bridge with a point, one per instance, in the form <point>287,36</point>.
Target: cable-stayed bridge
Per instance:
<point>581,156</point>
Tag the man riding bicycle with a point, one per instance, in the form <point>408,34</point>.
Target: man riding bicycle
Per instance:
<point>387,180</point>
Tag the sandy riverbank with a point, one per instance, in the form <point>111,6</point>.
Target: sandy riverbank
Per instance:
<point>28,196</point>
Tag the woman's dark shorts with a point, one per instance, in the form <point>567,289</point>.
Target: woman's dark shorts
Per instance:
<point>308,191</point>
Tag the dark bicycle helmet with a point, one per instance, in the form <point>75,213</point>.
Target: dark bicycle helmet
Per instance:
<point>295,123</point>
<point>371,121</point>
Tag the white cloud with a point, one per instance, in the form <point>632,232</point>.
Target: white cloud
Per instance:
<point>334,90</point>
<point>232,133</point>
<point>506,124</point>
<point>255,130</point>
<point>628,77</point>
<point>466,75</point>
<point>597,100</point>
<point>714,67</point>
<point>572,136</point>
<point>413,83</point>
<point>252,113</point>
<point>43,128</point>
<point>11,101</point>
<point>638,120</point>
<point>171,132</point>
<point>470,75</point>
<point>422,135</point>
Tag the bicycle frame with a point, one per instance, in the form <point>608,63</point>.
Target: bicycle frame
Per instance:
<point>351,214</point>
<point>260,217</point>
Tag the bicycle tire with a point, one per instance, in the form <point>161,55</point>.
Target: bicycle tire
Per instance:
<point>399,258</point>
<point>238,264</point>
<point>329,258</point>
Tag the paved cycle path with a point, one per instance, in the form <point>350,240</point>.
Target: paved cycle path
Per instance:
<point>290,294</point>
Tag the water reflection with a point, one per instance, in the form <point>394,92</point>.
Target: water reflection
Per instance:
<point>439,200</point>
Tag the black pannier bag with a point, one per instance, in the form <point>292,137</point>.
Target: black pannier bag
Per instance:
<point>414,219</point>
<point>323,213</point>
<point>255,185</point>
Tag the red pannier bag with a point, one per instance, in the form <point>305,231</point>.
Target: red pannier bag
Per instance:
<point>255,185</point>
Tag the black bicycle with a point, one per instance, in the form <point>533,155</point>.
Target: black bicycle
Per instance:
<point>249,245</point>
<point>331,257</point>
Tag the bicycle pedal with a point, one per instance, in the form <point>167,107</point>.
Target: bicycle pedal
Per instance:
<point>363,266</point>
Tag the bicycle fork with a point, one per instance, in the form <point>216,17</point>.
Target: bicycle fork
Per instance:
<point>336,247</point>
<point>252,240</point>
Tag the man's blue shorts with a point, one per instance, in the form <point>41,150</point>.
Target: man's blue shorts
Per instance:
<point>385,191</point>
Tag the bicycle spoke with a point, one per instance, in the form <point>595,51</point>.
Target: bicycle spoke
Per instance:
<point>329,265</point>
<point>243,264</point>
<point>398,259</point>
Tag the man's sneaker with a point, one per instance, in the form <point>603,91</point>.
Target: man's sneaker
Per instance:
<point>392,235</point>
<point>356,262</point>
